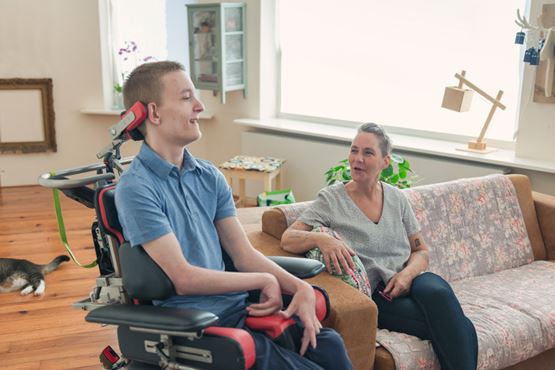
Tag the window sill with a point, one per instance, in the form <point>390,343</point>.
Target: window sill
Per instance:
<point>413,144</point>
<point>116,112</point>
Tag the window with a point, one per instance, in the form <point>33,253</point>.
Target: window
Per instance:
<point>137,34</point>
<point>389,62</point>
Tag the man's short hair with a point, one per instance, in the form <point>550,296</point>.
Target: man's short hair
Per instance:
<point>145,82</point>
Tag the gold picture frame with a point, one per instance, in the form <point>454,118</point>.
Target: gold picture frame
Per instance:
<point>21,99</point>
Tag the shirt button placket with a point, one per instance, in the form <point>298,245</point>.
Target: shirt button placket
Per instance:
<point>183,188</point>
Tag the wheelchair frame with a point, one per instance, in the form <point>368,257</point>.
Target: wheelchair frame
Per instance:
<point>108,296</point>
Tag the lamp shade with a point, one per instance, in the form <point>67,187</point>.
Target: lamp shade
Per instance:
<point>457,99</point>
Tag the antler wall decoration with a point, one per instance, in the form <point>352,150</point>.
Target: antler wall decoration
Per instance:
<point>544,38</point>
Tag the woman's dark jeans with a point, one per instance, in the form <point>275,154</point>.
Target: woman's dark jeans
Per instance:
<point>431,311</point>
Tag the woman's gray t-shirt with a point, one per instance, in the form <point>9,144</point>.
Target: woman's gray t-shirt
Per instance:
<point>383,247</point>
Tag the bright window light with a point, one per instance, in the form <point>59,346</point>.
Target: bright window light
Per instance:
<point>138,33</point>
<point>389,62</point>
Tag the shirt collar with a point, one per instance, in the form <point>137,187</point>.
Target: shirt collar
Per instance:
<point>160,166</point>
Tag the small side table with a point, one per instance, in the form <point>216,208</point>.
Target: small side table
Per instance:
<point>265,169</point>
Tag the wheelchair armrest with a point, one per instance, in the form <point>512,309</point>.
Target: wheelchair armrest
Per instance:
<point>302,268</point>
<point>152,317</point>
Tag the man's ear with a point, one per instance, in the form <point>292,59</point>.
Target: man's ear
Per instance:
<point>152,113</point>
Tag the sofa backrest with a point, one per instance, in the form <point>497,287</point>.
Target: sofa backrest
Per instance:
<point>473,226</point>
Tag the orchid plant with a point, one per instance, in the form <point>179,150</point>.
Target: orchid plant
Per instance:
<point>130,58</point>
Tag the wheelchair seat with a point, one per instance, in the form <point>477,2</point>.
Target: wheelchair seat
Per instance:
<point>153,337</point>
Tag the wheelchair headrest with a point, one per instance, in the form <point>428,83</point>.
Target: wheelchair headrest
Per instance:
<point>106,212</point>
<point>143,279</point>
<point>132,119</point>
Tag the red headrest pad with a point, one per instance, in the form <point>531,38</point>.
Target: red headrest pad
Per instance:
<point>138,110</point>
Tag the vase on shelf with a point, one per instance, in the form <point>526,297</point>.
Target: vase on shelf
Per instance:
<point>118,101</point>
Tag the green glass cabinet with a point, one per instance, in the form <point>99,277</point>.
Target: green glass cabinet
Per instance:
<point>217,47</point>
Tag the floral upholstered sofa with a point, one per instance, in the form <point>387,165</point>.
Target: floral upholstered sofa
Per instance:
<point>492,238</point>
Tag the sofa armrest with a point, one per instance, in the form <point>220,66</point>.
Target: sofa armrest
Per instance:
<point>545,211</point>
<point>352,314</point>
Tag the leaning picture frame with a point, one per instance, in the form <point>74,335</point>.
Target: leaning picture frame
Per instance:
<point>27,121</point>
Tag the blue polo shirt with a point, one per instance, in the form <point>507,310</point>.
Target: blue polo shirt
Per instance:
<point>155,198</point>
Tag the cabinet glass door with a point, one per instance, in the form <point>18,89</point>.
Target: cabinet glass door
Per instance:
<point>234,47</point>
<point>234,74</point>
<point>205,52</point>
<point>233,19</point>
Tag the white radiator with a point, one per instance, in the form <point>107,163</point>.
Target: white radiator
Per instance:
<point>308,160</point>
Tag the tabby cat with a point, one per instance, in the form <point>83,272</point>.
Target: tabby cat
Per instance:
<point>25,275</point>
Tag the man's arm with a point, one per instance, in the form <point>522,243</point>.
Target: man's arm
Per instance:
<point>246,258</point>
<point>190,280</point>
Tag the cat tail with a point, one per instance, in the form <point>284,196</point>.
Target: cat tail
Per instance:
<point>53,265</point>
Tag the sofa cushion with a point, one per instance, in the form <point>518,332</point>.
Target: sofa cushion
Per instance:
<point>472,226</point>
<point>513,313</point>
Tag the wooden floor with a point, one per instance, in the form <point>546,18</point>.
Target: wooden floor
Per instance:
<point>41,333</point>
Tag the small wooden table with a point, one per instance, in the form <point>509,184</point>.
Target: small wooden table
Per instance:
<point>242,168</point>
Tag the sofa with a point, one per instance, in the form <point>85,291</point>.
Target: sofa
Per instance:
<point>492,238</point>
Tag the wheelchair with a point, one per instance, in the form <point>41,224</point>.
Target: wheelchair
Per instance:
<point>154,337</point>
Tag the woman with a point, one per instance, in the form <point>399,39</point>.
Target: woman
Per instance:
<point>375,222</point>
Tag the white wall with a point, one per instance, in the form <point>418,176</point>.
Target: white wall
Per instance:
<point>60,39</point>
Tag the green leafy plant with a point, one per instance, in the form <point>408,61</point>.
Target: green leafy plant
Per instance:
<point>118,88</point>
<point>398,173</point>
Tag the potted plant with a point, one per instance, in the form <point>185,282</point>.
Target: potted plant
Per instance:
<point>398,173</point>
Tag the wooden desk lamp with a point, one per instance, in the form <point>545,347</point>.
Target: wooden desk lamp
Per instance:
<point>458,98</point>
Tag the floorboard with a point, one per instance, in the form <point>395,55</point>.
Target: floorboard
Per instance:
<point>43,333</point>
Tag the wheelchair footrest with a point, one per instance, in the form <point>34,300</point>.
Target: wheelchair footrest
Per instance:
<point>152,317</point>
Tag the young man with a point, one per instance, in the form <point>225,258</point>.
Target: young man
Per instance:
<point>180,209</point>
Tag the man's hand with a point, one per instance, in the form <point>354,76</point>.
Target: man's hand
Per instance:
<point>270,298</point>
<point>334,250</point>
<point>303,305</point>
<point>399,285</point>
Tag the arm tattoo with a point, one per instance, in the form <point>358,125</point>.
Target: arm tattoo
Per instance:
<point>417,242</point>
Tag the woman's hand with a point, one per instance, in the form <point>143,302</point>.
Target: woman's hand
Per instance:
<point>334,250</point>
<point>399,285</point>
<point>270,298</point>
